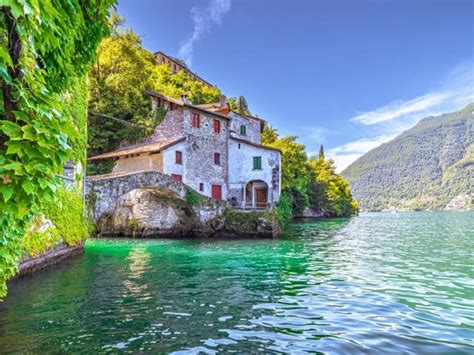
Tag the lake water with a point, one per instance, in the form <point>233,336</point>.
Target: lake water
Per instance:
<point>381,283</point>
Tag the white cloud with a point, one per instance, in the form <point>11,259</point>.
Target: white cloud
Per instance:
<point>399,109</point>
<point>347,153</point>
<point>388,121</point>
<point>456,90</point>
<point>203,18</point>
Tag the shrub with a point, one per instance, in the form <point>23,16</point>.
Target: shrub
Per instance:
<point>283,211</point>
<point>192,197</point>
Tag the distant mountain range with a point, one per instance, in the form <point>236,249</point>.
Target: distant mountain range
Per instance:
<point>430,166</point>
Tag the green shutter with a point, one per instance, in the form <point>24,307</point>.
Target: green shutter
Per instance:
<point>257,163</point>
<point>243,130</point>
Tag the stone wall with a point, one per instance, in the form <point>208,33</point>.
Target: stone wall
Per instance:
<point>253,128</point>
<point>103,192</point>
<point>201,144</point>
<point>170,128</point>
<point>151,204</point>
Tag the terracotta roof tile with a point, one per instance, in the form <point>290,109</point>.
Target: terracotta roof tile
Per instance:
<point>139,148</point>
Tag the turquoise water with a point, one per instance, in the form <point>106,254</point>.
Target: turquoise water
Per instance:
<point>381,283</point>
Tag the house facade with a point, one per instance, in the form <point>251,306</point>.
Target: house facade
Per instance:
<point>177,65</point>
<point>215,151</point>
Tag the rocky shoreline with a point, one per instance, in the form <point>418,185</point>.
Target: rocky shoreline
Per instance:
<point>30,265</point>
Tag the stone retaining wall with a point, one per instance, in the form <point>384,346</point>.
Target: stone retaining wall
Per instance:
<point>151,204</point>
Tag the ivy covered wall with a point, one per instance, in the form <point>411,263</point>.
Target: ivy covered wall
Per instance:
<point>49,46</point>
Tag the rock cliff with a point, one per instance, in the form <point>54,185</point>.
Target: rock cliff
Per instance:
<point>151,204</point>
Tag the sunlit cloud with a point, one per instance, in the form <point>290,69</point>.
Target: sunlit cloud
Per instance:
<point>203,19</point>
<point>386,122</point>
<point>399,109</point>
<point>455,91</point>
<point>347,153</point>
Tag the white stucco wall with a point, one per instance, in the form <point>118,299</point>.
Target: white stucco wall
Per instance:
<point>169,160</point>
<point>241,169</point>
<point>253,128</point>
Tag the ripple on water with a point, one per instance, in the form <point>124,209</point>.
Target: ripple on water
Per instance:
<point>375,283</point>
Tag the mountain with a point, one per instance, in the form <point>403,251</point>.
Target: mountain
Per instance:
<point>429,166</point>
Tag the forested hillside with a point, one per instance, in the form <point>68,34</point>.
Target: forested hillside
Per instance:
<point>423,168</point>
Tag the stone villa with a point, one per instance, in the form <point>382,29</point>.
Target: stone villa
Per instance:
<point>210,148</point>
<point>177,65</point>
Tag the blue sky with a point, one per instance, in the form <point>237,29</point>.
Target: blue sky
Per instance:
<point>349,74</point>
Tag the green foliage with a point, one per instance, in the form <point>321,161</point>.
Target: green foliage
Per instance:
<point>176,85</point>
<point>423,168</point>
<point>310,182</point>
<point>68,216</point>
<point>133,224</point>
<point>321,152</point>
<point>192,197</point>
<point>297,199</point>
<point>69,225</point>
<point>239,105</point>
<point>35,242</point>
<point>119,79</point>
<point>283,210</point>
<point>269,135</point>
<point>295,170</point>
<point>49,47</point>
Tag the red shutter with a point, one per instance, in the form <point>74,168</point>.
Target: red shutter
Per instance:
<point>195,120</point>
<point>217,126</point>
<point>177,177</point>
<point>217,192</point>
<point>179,157</point>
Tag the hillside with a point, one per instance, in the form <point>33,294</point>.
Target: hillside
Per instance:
<point>425,167</point>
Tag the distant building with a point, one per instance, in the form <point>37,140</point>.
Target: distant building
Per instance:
<point>210,148</point>
<point>177,65</point>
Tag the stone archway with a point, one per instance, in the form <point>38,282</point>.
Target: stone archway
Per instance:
<point>256,194</point>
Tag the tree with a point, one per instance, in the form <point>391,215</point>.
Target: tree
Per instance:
<point>119,80</point>
<point>50,45</point>
<point>310,182</point>
<point>269,135</point>
<point>239,105</point>
<point>321,152</point>
<point>243,107</point>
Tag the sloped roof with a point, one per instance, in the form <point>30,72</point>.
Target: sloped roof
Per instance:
<point>182,103</point>
<point>139,148</point>
<point>254,144</point>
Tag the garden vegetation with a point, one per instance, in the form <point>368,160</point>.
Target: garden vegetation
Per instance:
<point>46,47</point>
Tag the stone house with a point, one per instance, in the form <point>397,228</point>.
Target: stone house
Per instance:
<point>177,65</point>
<point>210,148</point>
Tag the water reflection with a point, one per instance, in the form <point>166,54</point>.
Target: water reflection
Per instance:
<point>376,283</point>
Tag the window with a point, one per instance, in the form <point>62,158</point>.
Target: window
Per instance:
<point>257,163</point>
<point>195,120</point>
<point>217,126</point>
<point>217,158</point>
<point>179,157</point>
<point>201,186</point>
<point>239,145</point>
<point>243,130</point>
<point>177,177</point>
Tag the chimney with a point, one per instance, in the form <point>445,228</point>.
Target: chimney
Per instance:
<point>223,101</point>
<point>185,99</point>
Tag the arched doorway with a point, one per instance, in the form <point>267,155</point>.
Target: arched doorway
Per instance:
<point>256,194</point>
